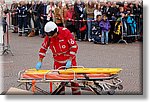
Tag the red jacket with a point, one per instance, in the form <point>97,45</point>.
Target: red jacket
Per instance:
<point>63,46</point>
<point>69,15</point>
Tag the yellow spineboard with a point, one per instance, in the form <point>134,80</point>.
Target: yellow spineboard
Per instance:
<point>77,71</point>
<point>91,70</point>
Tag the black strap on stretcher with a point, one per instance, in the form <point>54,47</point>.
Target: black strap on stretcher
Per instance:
<point>62,85</point>
<point>90,87</point>
<point>59,89</point>
<point>86,77</point>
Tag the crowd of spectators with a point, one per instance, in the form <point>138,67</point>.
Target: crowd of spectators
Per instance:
<point>88,20</point>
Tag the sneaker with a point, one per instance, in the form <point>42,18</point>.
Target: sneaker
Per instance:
<point>79,40</point>
<point>106,43</point>
<point>92,39</point>
<point>102,43</point>
<point>89,40</point>
<point>15,32</point>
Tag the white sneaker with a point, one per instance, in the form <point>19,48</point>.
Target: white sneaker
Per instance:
<point>79,39</point>
<point>90,40</point>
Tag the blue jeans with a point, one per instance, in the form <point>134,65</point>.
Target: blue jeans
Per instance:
<point>97,38</point>
<point>104,37</point>
<point>89,24</point>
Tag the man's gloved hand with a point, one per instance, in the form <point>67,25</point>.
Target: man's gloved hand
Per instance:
<point>38,65</point>
<point>68,64</point>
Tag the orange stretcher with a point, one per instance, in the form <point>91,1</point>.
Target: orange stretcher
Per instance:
<point>84,76</point>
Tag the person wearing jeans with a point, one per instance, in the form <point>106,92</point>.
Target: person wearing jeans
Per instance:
<point>90,18</point>
<point>79,15</point>
<point>104,38</point>
<point>89,24</point>
<point>105,26</point>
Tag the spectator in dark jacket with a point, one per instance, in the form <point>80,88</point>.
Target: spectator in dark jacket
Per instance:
<point>138,12</point>
<point>114,11</point>
<point>107,10</point>
<point>43,17</point>
<point>22,18</point>
<point>96,31</point>
<point>79,15</point>
<point>37,13</point>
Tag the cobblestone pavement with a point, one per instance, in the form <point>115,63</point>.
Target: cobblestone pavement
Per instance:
<point>128,57</point>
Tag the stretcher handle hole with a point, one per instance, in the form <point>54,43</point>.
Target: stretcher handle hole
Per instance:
<point>64,67</point>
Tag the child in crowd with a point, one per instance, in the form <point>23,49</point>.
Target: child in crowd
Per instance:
<point>105,26</point>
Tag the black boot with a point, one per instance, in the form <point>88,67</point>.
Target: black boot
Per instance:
<point>20,34</point>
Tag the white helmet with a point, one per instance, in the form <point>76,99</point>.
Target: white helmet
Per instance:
<point>50,26</point>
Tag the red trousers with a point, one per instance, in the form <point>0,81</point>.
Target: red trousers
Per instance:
<point>75,86</point>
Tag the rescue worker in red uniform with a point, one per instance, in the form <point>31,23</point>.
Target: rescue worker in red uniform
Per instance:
<point>64,49</point>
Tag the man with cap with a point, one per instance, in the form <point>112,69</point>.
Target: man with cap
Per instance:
<point>64,49</point>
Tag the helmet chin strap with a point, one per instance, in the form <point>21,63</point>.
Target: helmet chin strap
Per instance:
<point>55,35</point>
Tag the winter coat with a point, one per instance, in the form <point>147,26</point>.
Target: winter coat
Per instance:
<point>105,25</point>
<point>96,28</point>
<point>22,11</point>
<point>132,24</point>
